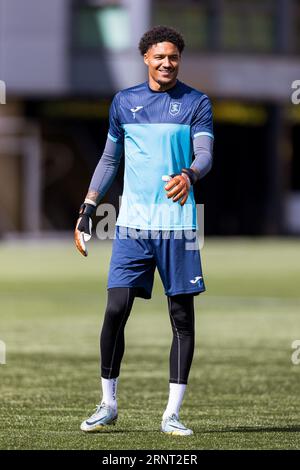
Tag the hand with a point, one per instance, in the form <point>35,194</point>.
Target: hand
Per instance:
<point>83,229</point>
<point>178,188</point>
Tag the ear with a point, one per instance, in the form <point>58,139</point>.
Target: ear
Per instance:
<point>146,59</point>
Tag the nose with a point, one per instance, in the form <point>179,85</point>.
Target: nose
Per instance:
<point>166,62</point>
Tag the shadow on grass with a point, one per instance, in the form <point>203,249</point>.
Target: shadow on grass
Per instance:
<point>121,431</point>
<point>254,429</point>
<point>242,429</point>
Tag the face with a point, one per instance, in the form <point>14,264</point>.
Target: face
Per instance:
<point>163,61</point>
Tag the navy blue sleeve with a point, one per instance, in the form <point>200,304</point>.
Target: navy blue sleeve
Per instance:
<point>202,120</point>
<point>107,168</point>
<point>203,149</point>
<point>116,132</point>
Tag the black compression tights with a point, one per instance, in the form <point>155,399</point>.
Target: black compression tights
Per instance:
<point>112,344</point>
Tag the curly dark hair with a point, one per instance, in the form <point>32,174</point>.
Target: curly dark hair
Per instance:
<point>161,34</point>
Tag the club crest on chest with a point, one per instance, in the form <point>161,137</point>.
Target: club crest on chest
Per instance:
<point>174,108</point>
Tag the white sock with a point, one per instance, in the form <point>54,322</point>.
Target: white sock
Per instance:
<point>176,394</point>
<point>109,392</point>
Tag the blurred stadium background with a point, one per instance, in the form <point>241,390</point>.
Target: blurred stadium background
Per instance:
<point>61,62</point>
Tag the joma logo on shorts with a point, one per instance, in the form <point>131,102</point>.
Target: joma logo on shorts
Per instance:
<point>197,278</point>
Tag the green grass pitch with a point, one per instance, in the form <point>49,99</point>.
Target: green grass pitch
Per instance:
<point>243,391</point>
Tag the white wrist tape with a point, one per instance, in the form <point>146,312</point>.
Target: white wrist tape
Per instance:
<point>89,201</point>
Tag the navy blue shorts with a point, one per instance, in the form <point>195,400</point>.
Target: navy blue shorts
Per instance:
<point>175,253</point>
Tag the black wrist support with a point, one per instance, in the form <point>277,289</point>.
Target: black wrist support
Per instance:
<point>191,174</point>
<point>87,209</point>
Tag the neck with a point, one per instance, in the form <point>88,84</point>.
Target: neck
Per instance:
<point>156,86</point>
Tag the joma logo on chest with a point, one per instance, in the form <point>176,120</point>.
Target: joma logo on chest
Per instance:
<point>135,110</point>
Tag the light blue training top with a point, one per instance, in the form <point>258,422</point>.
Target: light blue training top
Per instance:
<point>156,131</point>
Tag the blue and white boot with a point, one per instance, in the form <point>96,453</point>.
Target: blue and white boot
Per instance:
<point>104,416</point>
<point>171,425</point>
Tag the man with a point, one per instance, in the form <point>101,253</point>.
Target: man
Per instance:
<point>159,124</point>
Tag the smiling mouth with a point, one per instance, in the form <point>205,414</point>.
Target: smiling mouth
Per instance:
<point>166,72</point>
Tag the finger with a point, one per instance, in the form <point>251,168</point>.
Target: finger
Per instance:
<point>184,199</point>
<point>80,243</point>
<point>174,181</point>
<point>179,195</point>
<point>176,190</point>
<point>79,240</point>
